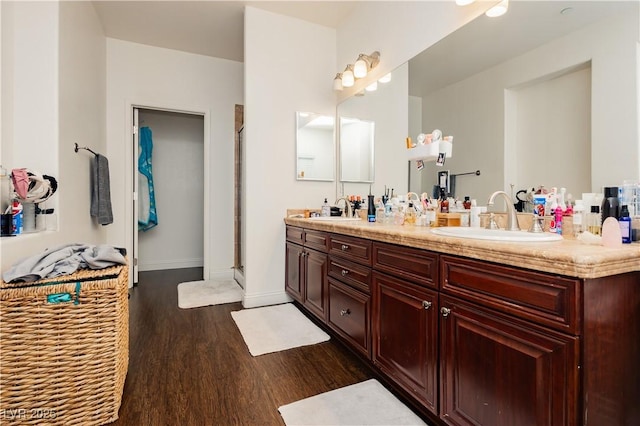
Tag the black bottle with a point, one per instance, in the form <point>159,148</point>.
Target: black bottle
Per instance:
<point>371,209</point>
<point>610,203</point>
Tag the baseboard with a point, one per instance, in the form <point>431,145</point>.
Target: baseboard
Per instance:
<point>221,274</point>
<point>265,299</point>
<point>170,264</point>
<point>239,277</point>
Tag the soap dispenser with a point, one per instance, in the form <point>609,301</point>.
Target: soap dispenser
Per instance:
<point>326,209</point>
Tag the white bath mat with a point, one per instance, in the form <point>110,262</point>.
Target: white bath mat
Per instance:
<point>194,294</point>
<point>276,328</point>
<point>366,403</point>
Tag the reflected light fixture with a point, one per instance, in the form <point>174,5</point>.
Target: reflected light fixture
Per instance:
<point>337,82</point>
<point>365,63</point>
<point>498,10</point>
<point>464,2</point>
<point>385,78</point>
<point>348,79</point>
<point>372,87</point>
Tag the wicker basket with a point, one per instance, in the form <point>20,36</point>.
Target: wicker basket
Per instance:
<point>64,348</point>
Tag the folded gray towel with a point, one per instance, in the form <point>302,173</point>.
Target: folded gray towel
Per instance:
<point>101,190</point>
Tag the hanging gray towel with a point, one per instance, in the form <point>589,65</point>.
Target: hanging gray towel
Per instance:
<point>100,190</point>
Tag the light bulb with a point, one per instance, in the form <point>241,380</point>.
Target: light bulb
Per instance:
<point>385,78</point>
<point>360,68</point>
<point>347,77</point>
<point>498,10</point>
<point>337,82</point>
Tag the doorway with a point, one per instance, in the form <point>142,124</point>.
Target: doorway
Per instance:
<point>178,183</point>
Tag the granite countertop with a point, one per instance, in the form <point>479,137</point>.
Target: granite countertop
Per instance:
<point>568,257</point>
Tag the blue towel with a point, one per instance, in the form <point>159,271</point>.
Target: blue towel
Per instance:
<point>147,215</point>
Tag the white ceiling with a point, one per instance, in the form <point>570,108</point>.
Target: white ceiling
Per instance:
<point>212,28</point>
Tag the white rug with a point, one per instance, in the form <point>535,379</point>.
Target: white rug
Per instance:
<point>194,294</point>
<point>276,328</point>
<point>366,403</point>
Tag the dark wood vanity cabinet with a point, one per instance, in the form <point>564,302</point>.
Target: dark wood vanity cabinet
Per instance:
<point>306,269</point>
<point>472,342</point>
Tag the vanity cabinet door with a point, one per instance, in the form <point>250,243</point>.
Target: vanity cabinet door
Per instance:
<point>497,370</point>
<point>349,314</point>
<point>315,290</point>
<point>294,265</point>
<point>405,339</point>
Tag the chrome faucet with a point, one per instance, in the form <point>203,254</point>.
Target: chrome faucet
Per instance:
<point>512,217</point>
<point>347,203</point>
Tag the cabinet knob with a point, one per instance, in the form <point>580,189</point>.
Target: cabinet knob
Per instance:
<point>426,305</point>
<point>344,272</point>
<point>445,312</point>
<point>345,247</point>
<point>345,312</point>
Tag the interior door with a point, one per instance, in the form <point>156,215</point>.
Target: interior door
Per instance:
<point>135,136</point>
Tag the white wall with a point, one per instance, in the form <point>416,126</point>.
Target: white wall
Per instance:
<point>162,78</point>
<point>474,109</point>
<point>178,178</point>
<point>58,48</point>
<point>289,67</point>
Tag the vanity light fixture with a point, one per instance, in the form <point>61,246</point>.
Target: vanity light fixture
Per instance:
<point>348,79</point>
<point>365,63</point>
<point>464,2</point>
<point>385,78</point>
<point>337,82</point>
<point>498,10</point>
<point>372,87</point>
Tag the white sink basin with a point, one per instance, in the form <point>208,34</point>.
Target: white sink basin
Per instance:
<point>335,218</point>
<point>496,234</point>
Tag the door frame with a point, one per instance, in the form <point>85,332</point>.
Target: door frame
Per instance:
<point>131,169</point>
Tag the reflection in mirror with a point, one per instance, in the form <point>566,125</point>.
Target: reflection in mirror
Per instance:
<point>543,105</point>
<point>315,153</point>
<point>356,150</point>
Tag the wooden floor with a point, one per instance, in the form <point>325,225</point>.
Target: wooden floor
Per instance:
<point>192,367</point>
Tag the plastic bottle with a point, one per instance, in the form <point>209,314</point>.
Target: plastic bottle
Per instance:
<point>594,222</point>
<point>625,224</point>
<point>16,211</point>
<point>558,217</point>
<point>578,212</point>
<point>371,209</point>
<point>444,203</point>
<point>610,204</point>
<point>326,209</point>
<point>467,203</point>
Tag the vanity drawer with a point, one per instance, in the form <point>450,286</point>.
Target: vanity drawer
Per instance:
<point>295,235</point>
<point>351,273</point>
<point>349,312</point>
<point>419,266</point>
<point>355,249</point>
<point>545,299</point>
<point>316,239</point>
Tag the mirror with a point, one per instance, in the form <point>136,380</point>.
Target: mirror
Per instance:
<point>492,92</point>
<point>385,110</point>
<point>356,149</point>
<point>315,152</point>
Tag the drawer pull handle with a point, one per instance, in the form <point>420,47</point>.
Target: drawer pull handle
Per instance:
<point>345,312</point>
<point>426,305</point>
<point>445,312</point>
<point>344,272</point>
<point>345,247</point>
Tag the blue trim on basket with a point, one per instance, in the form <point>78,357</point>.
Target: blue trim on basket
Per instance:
<point>59,298</point>
<point>76,301</point>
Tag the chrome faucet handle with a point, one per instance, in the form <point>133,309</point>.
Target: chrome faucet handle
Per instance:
<point>492,222</point>
<point>536,224</point>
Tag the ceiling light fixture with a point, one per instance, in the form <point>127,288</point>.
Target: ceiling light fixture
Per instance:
<point>498,10</point>
<point>348,79</point>
<point>363,65</point>
<point>337,82</point>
